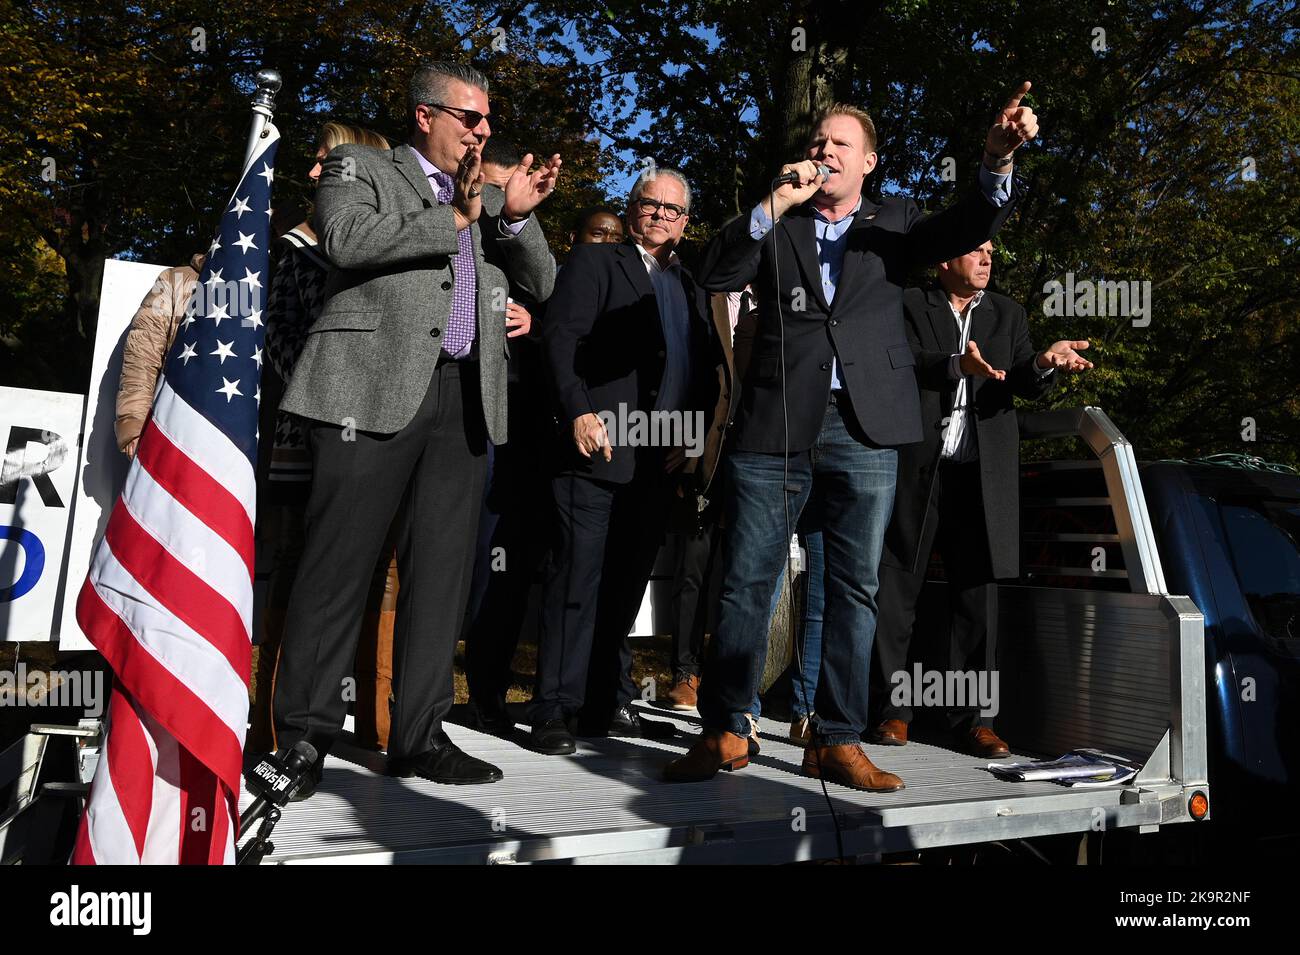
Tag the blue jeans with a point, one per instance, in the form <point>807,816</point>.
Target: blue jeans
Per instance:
<point>810,636</point>
<point>855,487</point>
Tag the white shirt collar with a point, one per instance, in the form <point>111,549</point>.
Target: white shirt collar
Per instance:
<point>429,168</point>
<point>652,264</point>
<point>970,306</point>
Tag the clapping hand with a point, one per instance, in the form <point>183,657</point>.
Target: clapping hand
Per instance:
<point>525,190</point>
<point>466,203</point>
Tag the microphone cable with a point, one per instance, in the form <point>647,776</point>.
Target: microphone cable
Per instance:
<point>796,626</point>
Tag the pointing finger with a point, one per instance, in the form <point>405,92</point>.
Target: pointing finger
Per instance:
<point>1017,96</point>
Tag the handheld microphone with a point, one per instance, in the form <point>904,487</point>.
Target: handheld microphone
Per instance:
<point>275,778</point>
<point>822,170</point>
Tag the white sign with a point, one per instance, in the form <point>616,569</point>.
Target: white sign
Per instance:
<point>102,467</point>
<point>37,484</point>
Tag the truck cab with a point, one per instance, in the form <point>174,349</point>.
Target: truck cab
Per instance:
<point>1229,532</point>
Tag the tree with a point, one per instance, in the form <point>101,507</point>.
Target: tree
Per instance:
<point>122,126</point>
<point>1167,157</point>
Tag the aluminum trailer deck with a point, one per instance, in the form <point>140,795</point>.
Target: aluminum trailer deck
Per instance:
<point>1120,672</point>
<point>607,804</point>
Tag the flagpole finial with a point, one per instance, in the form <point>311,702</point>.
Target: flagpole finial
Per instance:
<point>268,84</point>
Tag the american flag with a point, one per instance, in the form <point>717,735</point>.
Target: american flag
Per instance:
<point>169,597</point>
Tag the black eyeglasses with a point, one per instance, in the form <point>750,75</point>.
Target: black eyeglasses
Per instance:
<point>670,212</point>
<point>469,118</point>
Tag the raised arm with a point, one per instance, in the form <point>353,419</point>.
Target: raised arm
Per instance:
<point>979,214</point>
<point>526,256</point>
<point>731,260</point>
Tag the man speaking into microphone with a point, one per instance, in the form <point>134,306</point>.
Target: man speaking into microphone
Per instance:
<point>829,394</point>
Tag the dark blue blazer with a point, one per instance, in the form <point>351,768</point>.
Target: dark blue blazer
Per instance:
<point>863,327</point>
<point>603,344</point>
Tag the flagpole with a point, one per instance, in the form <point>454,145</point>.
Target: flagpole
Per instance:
<point>268,84</point>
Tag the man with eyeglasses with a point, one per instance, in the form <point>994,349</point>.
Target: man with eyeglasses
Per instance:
<point>403,379</point>
<point>627,340</point>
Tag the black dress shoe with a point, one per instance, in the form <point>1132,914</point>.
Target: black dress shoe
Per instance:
<point>627,723</point>
<point>552,738</point>
<point>446,763</point>
<point>491,720</point>
<point>308,787</point>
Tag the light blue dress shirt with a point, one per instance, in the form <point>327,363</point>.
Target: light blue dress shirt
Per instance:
<point>831,238</point>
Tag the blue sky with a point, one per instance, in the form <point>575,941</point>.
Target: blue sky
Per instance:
<point>626,165</point>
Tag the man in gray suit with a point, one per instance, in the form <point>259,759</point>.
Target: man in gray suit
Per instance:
<point>403,378</point>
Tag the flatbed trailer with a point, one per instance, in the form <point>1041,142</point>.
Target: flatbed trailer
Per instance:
<point>607,804</point>
<point>1115,671</point>
<point>1119,670</point>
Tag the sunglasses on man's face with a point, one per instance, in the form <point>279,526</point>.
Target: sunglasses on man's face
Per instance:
<point>469,118</point>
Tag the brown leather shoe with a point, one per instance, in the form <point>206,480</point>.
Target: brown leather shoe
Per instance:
<point>890,733</point>
<point>712,751</point>
<point>982,741</point>
<point>801,731</point>
<point>684,694</point>
<point>847,765</point>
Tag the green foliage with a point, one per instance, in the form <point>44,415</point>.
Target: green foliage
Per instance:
<point>1137,174</point>
<point>1149,112</point>
<point>143,110</point>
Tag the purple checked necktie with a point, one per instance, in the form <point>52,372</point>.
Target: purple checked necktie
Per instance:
<point>460,330</point>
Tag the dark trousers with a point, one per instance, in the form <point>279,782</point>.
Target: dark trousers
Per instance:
<point>853,481</point>
<point>432,472</point>
<point>514,530</point>
<point>607,537</point>
<point>696,551</point>
<point>954,523</point>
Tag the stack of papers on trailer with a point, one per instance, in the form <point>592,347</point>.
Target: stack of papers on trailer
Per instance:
<point>1078,768</point>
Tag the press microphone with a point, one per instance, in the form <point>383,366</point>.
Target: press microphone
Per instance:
<point>275,778</point>
<point>822,170</point>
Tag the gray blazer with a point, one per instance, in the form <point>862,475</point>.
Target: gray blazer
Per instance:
<point>370,354</point>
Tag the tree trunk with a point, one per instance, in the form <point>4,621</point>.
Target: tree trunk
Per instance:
<point>810,80</point>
